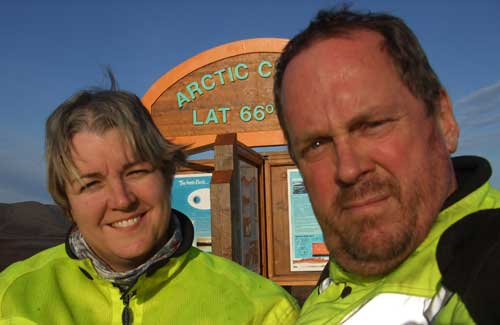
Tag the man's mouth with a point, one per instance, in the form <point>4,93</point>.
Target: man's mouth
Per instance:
<point>365,202</point>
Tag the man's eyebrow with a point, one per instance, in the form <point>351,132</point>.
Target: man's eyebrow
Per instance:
<point>305,138</point>
<point>372,113</point>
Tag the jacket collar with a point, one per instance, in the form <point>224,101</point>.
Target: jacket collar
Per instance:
<point>471,172</point>
<point>187,241</point>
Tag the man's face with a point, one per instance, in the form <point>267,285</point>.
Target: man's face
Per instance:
<point>375,164</point>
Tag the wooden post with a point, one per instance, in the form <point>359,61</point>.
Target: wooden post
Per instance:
<point>225,199</point>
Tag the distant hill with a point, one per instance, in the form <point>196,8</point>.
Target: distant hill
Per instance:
<point>29,227</point>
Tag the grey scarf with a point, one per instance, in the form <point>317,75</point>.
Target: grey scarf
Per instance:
<point>126,279</point>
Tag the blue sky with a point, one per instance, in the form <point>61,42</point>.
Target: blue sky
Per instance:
<point>50,49</point>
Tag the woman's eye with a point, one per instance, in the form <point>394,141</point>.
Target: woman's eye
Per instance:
<point>88,186</point>
<point>138,172</point>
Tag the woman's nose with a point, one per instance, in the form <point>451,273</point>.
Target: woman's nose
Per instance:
<point>121,196</point>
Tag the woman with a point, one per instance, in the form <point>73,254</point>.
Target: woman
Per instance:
<point>128,258</point>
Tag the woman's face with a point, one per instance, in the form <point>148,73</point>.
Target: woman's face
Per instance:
<point>120,204</point>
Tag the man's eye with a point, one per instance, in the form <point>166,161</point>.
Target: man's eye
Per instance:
<point>377,123</point>
<point>374,124</point>
<point>316,144</point>
<point>374,127</point>
<point>316,149</point>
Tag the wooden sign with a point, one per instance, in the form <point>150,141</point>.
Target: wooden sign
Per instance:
<point>227,89</point>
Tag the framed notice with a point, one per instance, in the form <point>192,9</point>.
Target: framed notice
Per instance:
<point>307,247</point>
<point>191,196</point>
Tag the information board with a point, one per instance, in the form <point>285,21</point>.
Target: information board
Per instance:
<point>191,196</point>
<point>307,247</point>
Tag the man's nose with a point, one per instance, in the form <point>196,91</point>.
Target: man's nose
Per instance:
<point>352,162</point>
<point>121,197</point>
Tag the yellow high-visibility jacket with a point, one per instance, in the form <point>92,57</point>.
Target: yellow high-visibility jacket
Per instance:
<point>192,287</point>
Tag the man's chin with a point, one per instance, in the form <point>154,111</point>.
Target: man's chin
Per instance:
<point>368,268</point>
<point>372,256</point>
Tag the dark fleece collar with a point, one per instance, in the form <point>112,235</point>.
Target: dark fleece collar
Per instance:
<point>471,172</point>
<point>468,253</point>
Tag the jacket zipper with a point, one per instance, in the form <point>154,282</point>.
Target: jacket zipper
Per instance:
<point>127,313</point>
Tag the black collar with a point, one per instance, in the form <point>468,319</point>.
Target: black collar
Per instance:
<point>471,172</point>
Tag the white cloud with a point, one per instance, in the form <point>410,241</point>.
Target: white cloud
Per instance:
<point>487,92</point>
<point>478,116</point>
<point>482,105</point>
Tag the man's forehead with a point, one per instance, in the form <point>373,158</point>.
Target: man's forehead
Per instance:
<point>351,44</point>
<point>343,72</point>
<point>338,58</point>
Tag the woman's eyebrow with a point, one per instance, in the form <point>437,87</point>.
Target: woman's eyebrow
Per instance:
<point>88,175</point>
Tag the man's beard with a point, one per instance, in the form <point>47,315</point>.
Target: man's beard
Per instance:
<point>380,236</point>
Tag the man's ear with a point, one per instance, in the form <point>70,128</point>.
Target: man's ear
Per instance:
<point>447,122</point>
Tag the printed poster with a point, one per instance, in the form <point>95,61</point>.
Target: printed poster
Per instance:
<point>250,216</point>
<point>307,248</point>
<point>191,196</point>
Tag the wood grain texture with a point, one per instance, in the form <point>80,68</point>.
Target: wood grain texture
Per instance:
<point>253,45</point>
<point>218,109</point>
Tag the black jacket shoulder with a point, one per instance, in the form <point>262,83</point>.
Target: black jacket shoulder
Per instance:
<point>468,256</point>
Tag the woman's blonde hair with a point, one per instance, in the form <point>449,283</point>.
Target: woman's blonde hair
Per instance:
<point>97,111</point>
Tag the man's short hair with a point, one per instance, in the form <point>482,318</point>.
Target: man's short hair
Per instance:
<point>97,111</point>
<point>399,41</point>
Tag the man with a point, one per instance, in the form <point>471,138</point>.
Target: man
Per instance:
<point>411,232</point>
